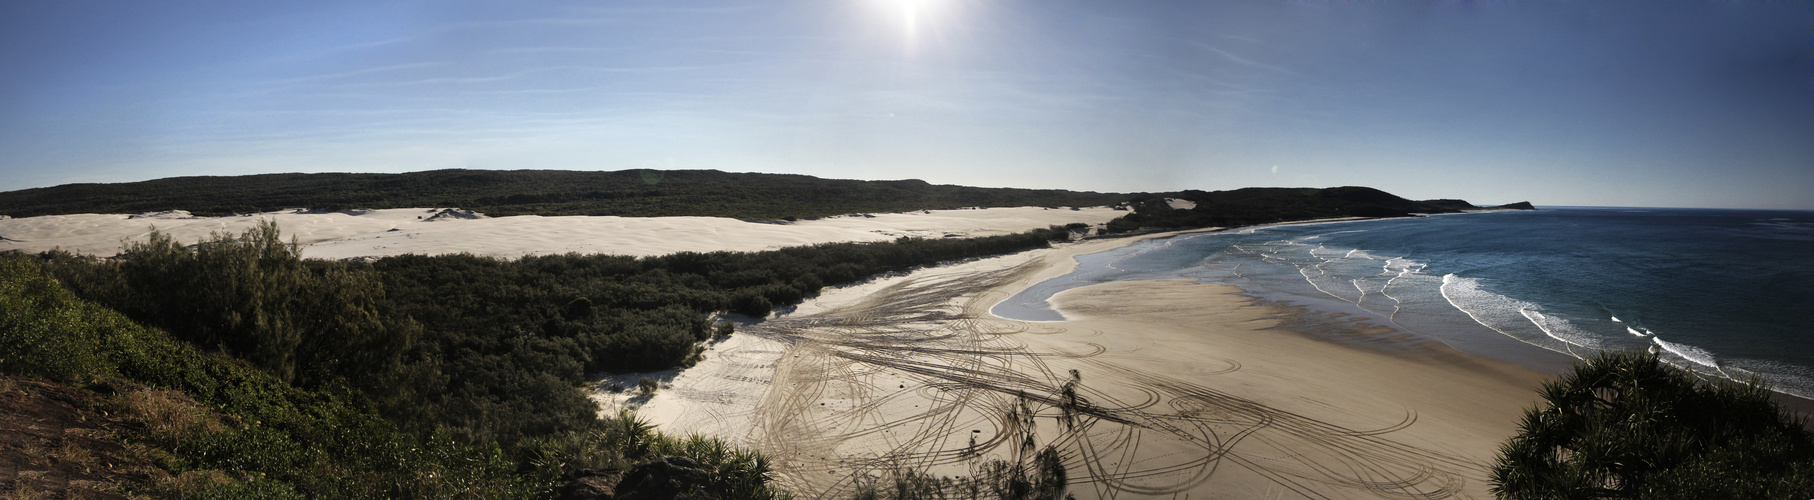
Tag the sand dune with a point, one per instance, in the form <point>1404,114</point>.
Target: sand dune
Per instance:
<point>1185,389</point>
<point>376,233</point>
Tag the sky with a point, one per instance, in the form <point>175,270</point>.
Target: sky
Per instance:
<point>1653,103</point>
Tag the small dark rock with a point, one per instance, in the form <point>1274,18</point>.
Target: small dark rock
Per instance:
<point>665,478</point>
<point>590,485</point>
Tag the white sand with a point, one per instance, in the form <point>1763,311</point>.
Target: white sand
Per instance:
<point>376,233</point>
<point>1188,390</point>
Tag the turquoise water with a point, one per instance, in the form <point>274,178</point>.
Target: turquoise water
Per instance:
<point>1723,292</point>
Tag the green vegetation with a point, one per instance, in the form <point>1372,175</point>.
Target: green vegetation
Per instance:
<point>278,441</point>
<point>1032,473</point>
<point>487,350</point>
<point>639,193</point>
<point>652,193</point>
<point>1250,206</point>
<point>414,375</point>
<point>430,376</point>
<point>1624,425</point>
<point>263,438</point>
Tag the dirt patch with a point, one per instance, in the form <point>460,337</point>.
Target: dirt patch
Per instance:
<point>58,441</point>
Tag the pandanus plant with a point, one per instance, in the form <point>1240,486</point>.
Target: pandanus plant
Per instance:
<point>1626,425</point>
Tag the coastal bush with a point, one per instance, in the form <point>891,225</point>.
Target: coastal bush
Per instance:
<point>630,193</point>
<point>1624,425</point>
<point>1029,473</point>
<point>460,350</point>
<point>625,440</point>
<point>1251,206</point>
<point>270,440</point>
<point>263,438</point>
<point>252,296</point>
<point>1045,479</point>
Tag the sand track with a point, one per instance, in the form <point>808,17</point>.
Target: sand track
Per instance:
<point>913,373</point>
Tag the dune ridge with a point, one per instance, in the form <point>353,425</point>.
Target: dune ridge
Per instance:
<point>379,233</point>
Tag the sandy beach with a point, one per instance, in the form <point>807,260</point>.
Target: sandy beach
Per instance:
<point>1181,390</point>
<point>1178,389</point>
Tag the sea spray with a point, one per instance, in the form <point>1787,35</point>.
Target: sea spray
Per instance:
<point>1782,377</point>
<point>1694,354</point>
<point>1559,329</point>
<point>1697,355</point>
<point>1498,312</point>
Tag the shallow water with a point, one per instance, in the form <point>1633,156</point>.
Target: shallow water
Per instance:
<point>1723,292</point>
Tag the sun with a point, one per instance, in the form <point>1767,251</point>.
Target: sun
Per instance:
<point>912,13</point>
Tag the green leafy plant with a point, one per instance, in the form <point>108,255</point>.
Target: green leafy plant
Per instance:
<point>1625,425</point>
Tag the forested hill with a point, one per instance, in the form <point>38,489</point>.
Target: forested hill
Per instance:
<point>639,193</point>
<point>1250,206</point>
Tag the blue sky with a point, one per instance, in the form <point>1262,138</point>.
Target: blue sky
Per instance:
<point>1705,104</point>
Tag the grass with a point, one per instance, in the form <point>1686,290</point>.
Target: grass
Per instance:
<point>22,490</point>
<point>192,483</point>
<point>170,417</point>
<point>74,454</point>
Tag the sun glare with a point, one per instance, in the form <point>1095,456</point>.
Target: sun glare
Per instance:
<point>911,13</point>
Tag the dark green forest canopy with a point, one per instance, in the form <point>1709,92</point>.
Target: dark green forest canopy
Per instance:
<point>633,193</point>
<point>657,193</point>
<point>1251,206</point>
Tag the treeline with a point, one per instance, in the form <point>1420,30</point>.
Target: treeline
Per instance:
<point>1251,206</point>
<point>484,350</point>
<point>637,193</point>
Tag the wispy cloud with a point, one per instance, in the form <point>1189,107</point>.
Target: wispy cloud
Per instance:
<point>1231,57</point>
<point>357,72</point>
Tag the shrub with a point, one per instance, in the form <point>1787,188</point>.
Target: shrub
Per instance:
<point>301,443</point>
<point>752,304</point>
<point>1624,425</point>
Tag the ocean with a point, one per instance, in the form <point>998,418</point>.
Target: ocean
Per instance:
<point>1722,292</point>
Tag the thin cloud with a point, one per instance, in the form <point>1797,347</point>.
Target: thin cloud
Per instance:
<point>344,74</point>
<point>1231,57</point>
